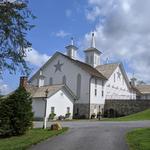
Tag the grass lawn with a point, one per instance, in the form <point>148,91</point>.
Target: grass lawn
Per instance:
<point>144,115</point>
<point>139,139</point>
<point>33,136</point>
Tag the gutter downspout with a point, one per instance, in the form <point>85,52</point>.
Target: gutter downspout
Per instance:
<point>90,94</point>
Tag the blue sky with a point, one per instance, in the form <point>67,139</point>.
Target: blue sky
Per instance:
<point>57,21</point>
<point>121,28</point>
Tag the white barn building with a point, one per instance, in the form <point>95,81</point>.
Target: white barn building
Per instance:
<point>84,85</point>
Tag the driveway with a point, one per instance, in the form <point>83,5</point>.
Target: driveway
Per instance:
<point>91,135</point>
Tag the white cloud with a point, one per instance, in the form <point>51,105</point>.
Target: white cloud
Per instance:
<point>36,58</point>
<point>62,34</point>
<point>4,88</point>
<point>2,1</point>
<point>123,32</point>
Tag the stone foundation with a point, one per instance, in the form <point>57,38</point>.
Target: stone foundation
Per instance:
<point>96,108</point>
<point>81,111</point>
<point>118,108</point>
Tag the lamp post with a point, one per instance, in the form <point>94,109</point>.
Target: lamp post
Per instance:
<point>46,95</point>
<point>99,116</point>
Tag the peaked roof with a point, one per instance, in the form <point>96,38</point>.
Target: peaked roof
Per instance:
<point>107,69</point>
<point>144,89</point>
<point>92,71</point>
<point>39,92</point>
<point>85,67</point>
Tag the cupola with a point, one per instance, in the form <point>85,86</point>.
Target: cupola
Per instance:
<point>92,54</point>
<point>72,50</point>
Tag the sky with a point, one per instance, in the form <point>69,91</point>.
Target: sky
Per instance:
<point>121,27</point>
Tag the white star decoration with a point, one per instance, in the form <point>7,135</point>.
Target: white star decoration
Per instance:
<point>58,66</point>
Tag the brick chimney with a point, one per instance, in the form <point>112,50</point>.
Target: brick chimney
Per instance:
<point>23,81</point>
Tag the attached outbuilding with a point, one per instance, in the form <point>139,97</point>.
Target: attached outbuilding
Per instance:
<point>52,101</point>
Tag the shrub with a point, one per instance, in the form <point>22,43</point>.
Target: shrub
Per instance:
<point>67,115</point>
<point>16,113</point>
<point>93,116</point>
<point>51,116</point>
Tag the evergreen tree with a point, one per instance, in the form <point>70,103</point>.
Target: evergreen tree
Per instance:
<point>16,113</point>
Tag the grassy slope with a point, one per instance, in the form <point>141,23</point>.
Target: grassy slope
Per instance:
<point>139,139</point>
<point>32,137</point>
<point>144,115</point>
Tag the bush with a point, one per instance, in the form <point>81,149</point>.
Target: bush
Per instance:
<point>93,116</point>
<point>51,116</point>
<point>67,115</point>
<point>16,113</point>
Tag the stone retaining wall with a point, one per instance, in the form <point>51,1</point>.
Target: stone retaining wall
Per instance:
<point>117,108</point>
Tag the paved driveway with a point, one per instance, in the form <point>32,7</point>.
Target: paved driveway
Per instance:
<point>91,135</point>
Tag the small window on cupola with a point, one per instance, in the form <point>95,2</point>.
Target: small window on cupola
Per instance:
<point>91,59</point>
<point>87,59</point>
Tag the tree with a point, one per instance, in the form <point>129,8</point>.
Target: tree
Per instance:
<point>16,113</point>
<point>14,24</point>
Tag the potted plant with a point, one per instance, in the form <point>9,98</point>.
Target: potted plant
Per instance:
<point>51,116</point>
<point>93,116</point>
<point>67,115</point>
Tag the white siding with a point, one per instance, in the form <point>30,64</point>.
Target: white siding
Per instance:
<point>70,70</point>
<point>97,99</point>
<point>116,88</point>
<point>60,101</point>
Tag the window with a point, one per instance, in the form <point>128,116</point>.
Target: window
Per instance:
<point>95,92</point>
<point>51,81</point>
<point>64,79</point>
<point>91,59</point>
<point>122,81</point>
<point>102,83</point>
<point>87,59</point>
<point>78,89</point>
<point>95,83</point>
<point>95,59</point>
<point>52,109</point>
<point>102,93</point>
<point>95,87</point>
<point>68,110</point>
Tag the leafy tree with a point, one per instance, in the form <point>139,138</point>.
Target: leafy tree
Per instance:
<point>14,24</point>
<point>16,113</point>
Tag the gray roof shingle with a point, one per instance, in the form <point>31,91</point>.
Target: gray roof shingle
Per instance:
<point>39,92</point>
<point>144,89</point>
<point>107,69</point>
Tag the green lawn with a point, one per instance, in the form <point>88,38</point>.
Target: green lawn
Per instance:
<point>33,136</point>
<point>144,115</point>
<point>139,139</point>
